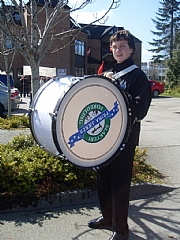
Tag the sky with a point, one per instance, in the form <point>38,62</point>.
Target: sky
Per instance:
<point>134,15</point>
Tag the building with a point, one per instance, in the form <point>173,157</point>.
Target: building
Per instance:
<point>85,53</point>
<point>155,71</point>
<point>98,48</point>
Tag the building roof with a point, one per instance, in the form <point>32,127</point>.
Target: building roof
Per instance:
<point>99,31</point>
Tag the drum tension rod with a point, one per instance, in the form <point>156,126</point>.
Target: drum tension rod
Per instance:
<point>32,109</point>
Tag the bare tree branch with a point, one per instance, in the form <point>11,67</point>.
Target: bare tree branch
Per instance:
<point>34,39</point>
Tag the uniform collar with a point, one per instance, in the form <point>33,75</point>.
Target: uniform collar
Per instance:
<point>120,66</point>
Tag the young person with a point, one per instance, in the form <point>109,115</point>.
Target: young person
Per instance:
<point>114,179</point>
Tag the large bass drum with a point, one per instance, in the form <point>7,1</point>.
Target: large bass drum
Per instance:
<point>86,120</point>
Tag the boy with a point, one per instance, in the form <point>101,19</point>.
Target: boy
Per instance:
<point>114,180</point>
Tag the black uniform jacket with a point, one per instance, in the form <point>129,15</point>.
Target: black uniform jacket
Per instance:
<point>138,89</point>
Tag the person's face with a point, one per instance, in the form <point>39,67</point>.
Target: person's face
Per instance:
<point>121,50</point>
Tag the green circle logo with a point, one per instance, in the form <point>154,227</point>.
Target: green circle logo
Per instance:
<point>94,122</point>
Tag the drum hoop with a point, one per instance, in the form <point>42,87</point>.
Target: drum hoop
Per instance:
<point>126,134</point>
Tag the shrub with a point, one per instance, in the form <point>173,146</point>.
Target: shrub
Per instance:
<point>15,122</point>
<point>25,168</point>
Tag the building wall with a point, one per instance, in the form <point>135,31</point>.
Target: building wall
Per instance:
<point>96,46</point>
<point>137,55</point>
<point>94,60</point>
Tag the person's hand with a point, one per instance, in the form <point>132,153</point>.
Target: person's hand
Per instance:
<point>109,75</point>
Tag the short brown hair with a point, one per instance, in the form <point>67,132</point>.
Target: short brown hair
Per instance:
<point>124,35</point>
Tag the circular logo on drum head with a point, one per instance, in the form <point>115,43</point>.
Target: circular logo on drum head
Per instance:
<point>93,122</point>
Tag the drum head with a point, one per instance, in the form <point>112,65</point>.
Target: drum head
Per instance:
<point>92,122</point>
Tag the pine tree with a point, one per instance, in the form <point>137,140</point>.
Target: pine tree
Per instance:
<point>173,72</point>
<point>167,24</point>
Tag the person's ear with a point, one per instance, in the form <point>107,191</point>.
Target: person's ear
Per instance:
<point>131,50</point>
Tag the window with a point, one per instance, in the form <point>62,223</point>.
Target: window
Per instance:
<point>17,17</point>
<point>79,72</point>
<point>9,44</point>
<point>79,48</point>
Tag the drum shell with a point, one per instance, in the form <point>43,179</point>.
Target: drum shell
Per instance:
<point>42,110</point>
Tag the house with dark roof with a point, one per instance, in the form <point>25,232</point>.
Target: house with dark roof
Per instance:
<point>98,48</point>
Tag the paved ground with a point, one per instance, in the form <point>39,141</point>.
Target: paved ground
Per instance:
<point>150,218</point>
<point>161,136</point>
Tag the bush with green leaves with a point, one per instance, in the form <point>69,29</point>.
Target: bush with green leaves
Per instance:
<point>25,168</point>
<point>15,121</point>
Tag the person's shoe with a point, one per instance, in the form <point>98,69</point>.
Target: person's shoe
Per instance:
<point>117,236</point>
<point>100,223</point>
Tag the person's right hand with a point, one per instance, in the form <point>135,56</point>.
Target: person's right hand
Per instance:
<point>108,75</point>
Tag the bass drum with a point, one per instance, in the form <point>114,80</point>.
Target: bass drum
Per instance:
<point>88,121</point>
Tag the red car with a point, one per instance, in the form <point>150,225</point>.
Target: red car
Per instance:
<point>156,88</point>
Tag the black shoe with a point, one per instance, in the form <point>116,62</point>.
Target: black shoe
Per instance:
<point>100,223</point>
<point>117,236</point>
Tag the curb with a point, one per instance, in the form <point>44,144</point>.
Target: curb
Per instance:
<point>86,196</point>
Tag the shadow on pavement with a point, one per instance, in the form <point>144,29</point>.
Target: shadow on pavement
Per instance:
<point>148,219</point>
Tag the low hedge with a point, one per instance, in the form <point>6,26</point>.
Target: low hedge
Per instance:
<point>26,168</point>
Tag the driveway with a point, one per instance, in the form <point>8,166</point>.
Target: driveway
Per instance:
<point>160,134</point>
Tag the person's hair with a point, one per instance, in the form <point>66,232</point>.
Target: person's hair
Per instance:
<point>124,35</point>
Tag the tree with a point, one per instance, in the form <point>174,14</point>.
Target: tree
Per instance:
<point>173,72</point>
<point>167,25</point>
<point>34,39</point>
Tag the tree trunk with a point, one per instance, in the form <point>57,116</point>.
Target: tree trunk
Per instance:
<point>9,95</point>
<point>34,78</point>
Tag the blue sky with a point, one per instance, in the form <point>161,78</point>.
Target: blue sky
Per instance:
<point>134,15</point>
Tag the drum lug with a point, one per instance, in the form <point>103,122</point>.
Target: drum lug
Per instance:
<point>53,114</point>
<point>32,109</point>
<point>122,147</point>
<point>129,110</point>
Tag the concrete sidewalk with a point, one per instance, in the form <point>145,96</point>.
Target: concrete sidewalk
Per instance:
<point>150,218</point>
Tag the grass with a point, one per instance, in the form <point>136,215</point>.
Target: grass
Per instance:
<point>172,93</point>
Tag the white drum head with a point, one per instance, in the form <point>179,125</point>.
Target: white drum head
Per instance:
<point>91,122</point>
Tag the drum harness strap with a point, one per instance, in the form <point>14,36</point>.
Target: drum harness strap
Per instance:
<point>117,77</point>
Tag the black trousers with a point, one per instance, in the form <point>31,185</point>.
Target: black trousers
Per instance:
<point>114,182</point>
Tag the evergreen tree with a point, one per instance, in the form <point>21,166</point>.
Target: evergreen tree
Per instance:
<point>173,72</point>
<point>167,24</point>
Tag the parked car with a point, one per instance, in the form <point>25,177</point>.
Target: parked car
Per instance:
<point>15,98</point>
<point>156,88</point>
<point>3,79</point>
